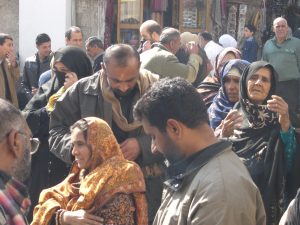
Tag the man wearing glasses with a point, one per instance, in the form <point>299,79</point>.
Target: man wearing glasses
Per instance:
<point>111,94</point>
<point>16,146</point>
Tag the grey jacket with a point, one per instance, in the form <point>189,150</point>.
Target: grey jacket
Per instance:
<point>211,187</point>
<point>85,99</point>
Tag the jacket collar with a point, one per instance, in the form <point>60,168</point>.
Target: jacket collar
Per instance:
<point>178,171</point>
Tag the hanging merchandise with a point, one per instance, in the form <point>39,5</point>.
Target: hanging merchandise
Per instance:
<point>231,24</point>
<point>242,21</point>
<point>190,14</point>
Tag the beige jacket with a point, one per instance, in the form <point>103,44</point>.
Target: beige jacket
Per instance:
<point>13,74</point>
<point>221,192</point>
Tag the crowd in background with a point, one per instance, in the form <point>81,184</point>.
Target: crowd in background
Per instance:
<point>183,130</point>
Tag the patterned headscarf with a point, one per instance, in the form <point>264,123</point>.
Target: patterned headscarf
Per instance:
<point>110,174</point>
<point>221,105</point>
<point>258,115</point>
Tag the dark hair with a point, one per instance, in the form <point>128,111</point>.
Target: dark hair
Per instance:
<point>3,37</point>
<point>171,99</point>
<point>10,117</point>
<point>42,38</point>
<point>94,42</point>
<point>82,125</point>
<point>168,34</point>
<point>251,27</point>
<point>121,53</point>
<point>68,33</point>
<point>206,36</point>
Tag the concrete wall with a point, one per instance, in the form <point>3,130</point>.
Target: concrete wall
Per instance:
<point>9,22</point>
<point>42,16</point>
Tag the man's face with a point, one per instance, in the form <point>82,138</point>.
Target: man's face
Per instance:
<point>146,35</point>
<point>175,45</point>
<point>6,48</point>
<point>121,79</point>
<point>91,51</point>
<point>75,40</point>
<point>44,49</point>
<point>281,30</point>
<point>161,142</point>
<point>22,166</point>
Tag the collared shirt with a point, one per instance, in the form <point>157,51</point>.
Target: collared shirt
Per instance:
<point>284,57</point>
<point>14,201</point>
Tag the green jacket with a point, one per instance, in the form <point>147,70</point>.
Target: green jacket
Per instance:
<point>164,63</point>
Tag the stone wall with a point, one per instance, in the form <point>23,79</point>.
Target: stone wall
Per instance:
<point>9,22</point>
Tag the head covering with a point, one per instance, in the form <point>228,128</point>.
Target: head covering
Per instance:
<point>187,37</point>
<point>109,175</point>
<point>259,144</point>
<point>227,40</point>
<point>221,105</point>
<point>252,111</point>
<point>75,60</point>
<point>221,60</point>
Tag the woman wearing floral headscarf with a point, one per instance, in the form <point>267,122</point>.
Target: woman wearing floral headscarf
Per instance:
<point>102,186</point>
<point>265,140</point>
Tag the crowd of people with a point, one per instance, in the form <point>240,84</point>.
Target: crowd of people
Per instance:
<point>183,130</point>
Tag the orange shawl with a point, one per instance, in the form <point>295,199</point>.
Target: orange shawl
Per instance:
<point>112,176</point>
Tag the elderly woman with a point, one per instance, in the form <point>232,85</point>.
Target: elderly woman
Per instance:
<point>211,84</point>
<point>102,187</point>
<point>226,98</point>
<point>70,64</point>
<point>265,140</point>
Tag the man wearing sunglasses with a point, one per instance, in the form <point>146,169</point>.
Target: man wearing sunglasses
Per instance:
<point>16,146</point>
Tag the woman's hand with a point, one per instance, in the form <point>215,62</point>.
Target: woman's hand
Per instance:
<point>277,104</point>
<point>70,78</point>
<point>80,217</point>
<point>232,121</point>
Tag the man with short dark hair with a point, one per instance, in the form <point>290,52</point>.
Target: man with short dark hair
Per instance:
<point>111,95</point>
<point>16,146</point>
<point>74,36</point>
<point>36,65</point>
<point>95,50</point>
<point>9,70</point>
<point>161,59</point>
<point>206,182</point>
<point>211,48</point>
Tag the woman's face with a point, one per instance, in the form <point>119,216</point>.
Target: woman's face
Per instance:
<point>226,58</point>
<point>81,150</point>
<point>232,87</point>
<point>259,85</point>
<point>59,66</point>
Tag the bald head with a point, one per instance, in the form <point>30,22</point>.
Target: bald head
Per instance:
<point>281,29</point>
<point>150,30</point>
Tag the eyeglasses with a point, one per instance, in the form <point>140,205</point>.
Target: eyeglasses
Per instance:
<point>34,142</point>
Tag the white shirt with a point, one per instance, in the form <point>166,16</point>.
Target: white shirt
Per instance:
<point>212,49</point>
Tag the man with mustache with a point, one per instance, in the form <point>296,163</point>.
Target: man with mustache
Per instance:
<point>16,146</point>
<point>111,94</point>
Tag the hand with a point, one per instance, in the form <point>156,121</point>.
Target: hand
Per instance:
<point>70,78</point>
<point>192,48</point>
<point>232,121</point>
<point>146,45</point>
<point>11,56</point>
<point>33,90</point>
<point>81,217</point>
<point>277,104</point>
<point>130,148</point>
